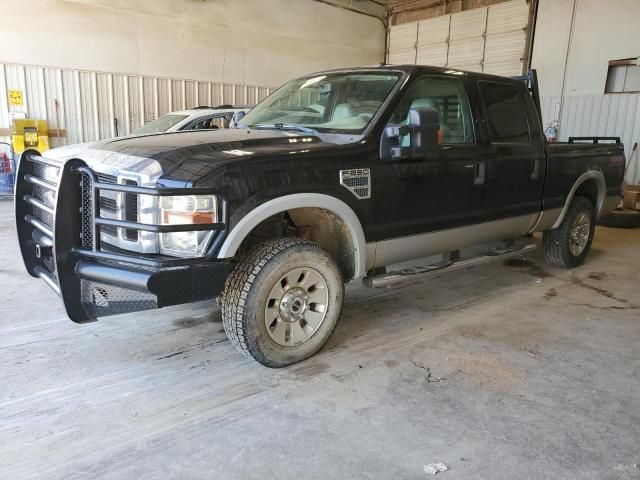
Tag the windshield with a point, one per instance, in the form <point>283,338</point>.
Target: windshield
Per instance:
<point>160,125</point>
<point>329,103</point>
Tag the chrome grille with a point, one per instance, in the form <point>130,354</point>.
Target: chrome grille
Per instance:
<point>112,205</point>
<point>108,204</point>
<point>131,212</point>
<point>87,212</point>
<point>105,178</point>
<point>109,230</point>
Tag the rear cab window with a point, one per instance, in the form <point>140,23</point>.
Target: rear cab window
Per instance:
<point>505,113</point>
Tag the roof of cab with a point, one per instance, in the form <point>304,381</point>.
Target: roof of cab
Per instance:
<point>410,68</point>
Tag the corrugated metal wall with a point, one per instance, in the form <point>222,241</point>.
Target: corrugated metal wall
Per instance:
<point>83,106</point>
<point>614,115</point>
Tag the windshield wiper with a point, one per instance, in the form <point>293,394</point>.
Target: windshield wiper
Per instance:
<point>285,126</point>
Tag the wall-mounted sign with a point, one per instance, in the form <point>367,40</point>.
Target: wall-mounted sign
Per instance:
<point>15,98</point>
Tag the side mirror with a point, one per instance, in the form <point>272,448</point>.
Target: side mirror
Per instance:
<point>414,139</point>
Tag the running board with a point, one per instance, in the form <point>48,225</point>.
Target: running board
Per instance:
<point>392,278</point>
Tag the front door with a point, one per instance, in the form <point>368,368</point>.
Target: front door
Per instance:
<point>436,191</point>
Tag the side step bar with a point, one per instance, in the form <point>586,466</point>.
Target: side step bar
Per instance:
<point>392,278</point>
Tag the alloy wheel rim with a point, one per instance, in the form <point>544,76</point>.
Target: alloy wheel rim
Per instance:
<point>579,234</point>
<point>296,306</point>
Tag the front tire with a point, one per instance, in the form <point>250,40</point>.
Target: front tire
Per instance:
<point>568,245</point>
<point>282,301</point>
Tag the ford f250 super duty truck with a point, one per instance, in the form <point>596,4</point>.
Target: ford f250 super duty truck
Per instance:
<point>333,178</point>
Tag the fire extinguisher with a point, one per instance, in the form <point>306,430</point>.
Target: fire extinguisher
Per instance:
<point>6,163</point>
<point>551,132</point>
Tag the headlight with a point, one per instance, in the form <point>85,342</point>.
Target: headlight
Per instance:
<point>187,210</point>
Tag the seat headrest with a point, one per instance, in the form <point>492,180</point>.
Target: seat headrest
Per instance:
<point>425,103</point>
<point>342,110</point>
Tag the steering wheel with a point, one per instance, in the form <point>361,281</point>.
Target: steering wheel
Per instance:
<point>310,110</point>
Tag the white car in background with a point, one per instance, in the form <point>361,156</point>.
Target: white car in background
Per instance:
<point>199,118</point>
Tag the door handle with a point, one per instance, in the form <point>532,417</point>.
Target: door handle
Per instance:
<point>535,169</point>
<point>480,173</point>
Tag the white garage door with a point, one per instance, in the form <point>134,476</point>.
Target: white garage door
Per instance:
<point>489,39</point>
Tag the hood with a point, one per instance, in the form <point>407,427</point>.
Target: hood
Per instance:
<point>181,155</point>
<point>219,144</point>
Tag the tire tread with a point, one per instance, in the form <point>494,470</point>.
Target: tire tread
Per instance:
<point>240,282</point>
<point>555,244</point>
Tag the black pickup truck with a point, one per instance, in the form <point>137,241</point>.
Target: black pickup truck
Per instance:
<point>333,178</point>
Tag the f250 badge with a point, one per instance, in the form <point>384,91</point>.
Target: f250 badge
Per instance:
<point>357,181</point>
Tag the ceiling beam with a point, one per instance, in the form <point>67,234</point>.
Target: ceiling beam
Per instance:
<point>372,8</point>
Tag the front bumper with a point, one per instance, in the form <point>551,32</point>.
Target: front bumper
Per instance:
<point>59,229</point>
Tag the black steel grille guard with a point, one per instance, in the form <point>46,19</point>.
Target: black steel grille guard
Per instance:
<point>56,249</point>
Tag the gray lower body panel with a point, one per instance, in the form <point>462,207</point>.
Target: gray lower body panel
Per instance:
<point>397,250</point>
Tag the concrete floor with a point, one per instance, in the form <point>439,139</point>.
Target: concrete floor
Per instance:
<point>503,372</point>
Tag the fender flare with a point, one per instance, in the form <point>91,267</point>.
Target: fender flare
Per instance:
<point>300,200</point>
<point>602,189</point>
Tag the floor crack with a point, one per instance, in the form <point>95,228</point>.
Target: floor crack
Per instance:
<point>430,378</point>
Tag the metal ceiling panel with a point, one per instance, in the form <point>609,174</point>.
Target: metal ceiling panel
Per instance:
<point>56,105</point>
<point>494,36</point>
<point>506,69</point>
<point>136,113</point>
<point>507,17</point>
<point>434,54</point>
<point>105,112</point>
<point>191,92</point>
<point>73,112</point>
<point>465,52</point>
<point>476,67</point>
<point>15,80</point>
<point>433,30</point>
<point>216,94</point>
<point>262,93</point>
<point>204,93</point>
<point>601,115</point>
<point>402,37</point>
<point>505,47</point>
<point>178,95</point>
<point>164,96</point>
<point>240,97</point>
<point>34,84</point>
<point>120,104</point>
<point>228,94</point>
<point>400,57</point>
<point>468,25</point>
<point>149,98</point>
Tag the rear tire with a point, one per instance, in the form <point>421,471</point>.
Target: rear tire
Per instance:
<point>282,301</point>
<point>568,245</point>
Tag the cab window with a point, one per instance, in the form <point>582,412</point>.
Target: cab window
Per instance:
<point>211,123</point>
<point>506,117</point>
<point>447,97</point>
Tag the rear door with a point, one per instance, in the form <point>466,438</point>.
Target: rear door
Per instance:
<point>435,191</point>
<point>513,158</point>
